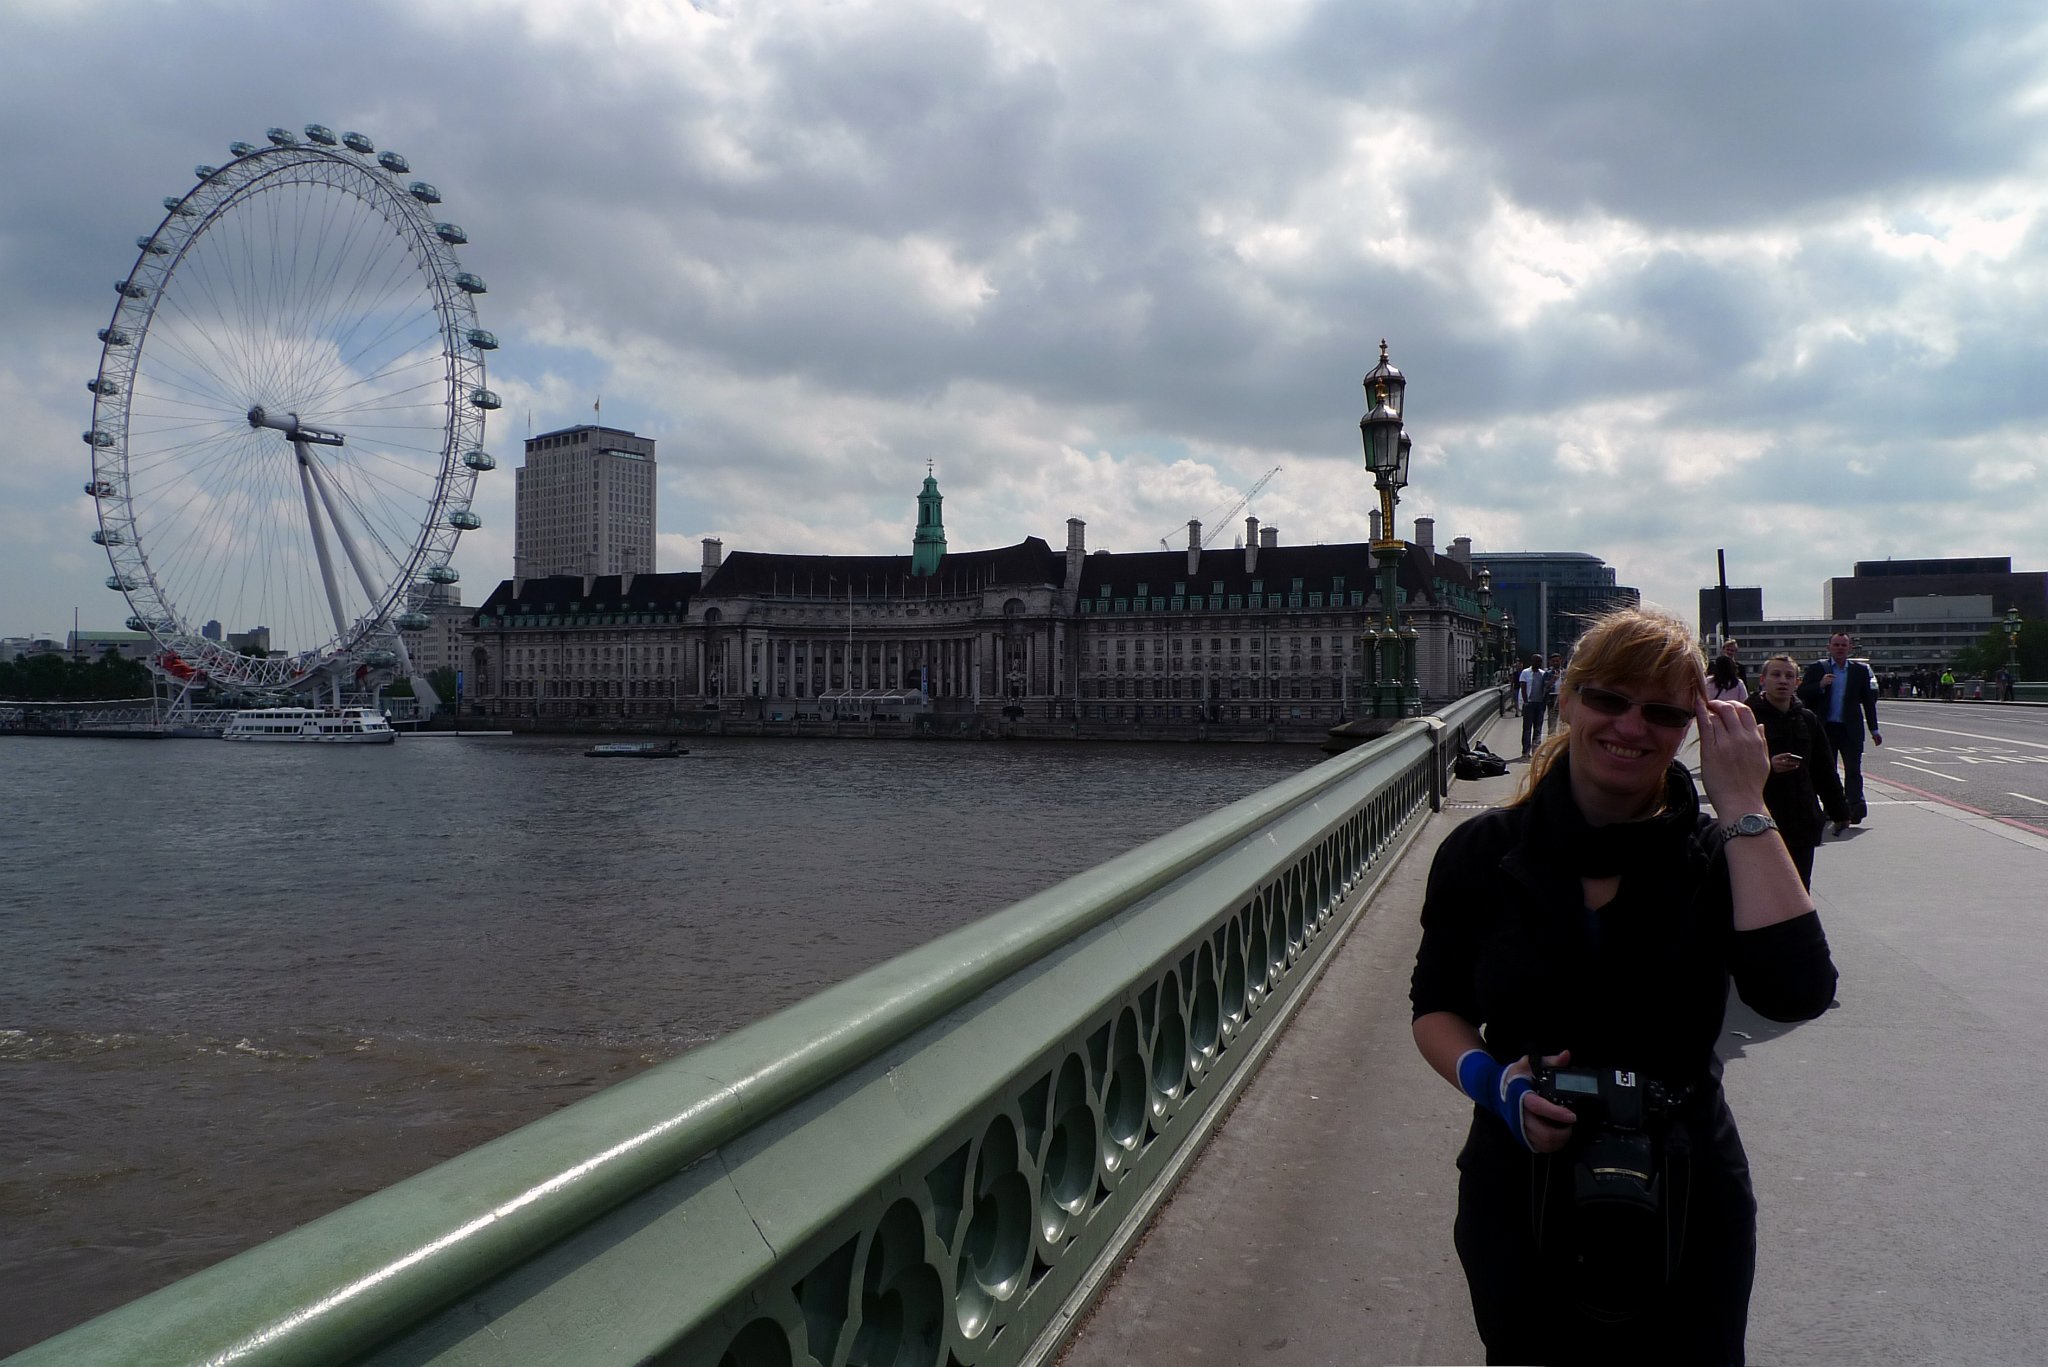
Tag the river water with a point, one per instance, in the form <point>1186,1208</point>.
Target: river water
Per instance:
<point>243,985</point>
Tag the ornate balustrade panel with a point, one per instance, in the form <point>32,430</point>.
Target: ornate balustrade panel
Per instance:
<point>934,1162</point>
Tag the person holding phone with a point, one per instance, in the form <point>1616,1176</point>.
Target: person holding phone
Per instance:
<point>1590,930</point>
<point>1803,791</point>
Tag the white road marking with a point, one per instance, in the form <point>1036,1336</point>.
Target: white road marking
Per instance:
<point>1901,764</point>
<point>1973,735</point>
<point>2024,798</point>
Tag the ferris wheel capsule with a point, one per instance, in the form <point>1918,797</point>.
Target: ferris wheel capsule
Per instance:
<point>149,246</point>
<point>114,337</point>
<point>202,170</point>
<point>356,142</point>
<point>99,437</point>
<point>485,399</point>
<point>107,387</point>
<point>443,574</point>
<point>470,283</point>
<point>394,163</point>
<point>175,205</point>
<point>102,536</point>
<point>465,519</point>
<point>320,133</point>
<point>281,137</point>
<point>100,488</point>
<point>480,460</point>
<point>380,659</point>
<point>423,192</point>
<point>451,233</point>
<point>128,289</point>
<point>482,340</point>
<point>243,149</point>
<point>123,582</point>
<point>412,621</point>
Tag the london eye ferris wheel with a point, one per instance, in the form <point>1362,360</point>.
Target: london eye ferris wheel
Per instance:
<point>288,417</point>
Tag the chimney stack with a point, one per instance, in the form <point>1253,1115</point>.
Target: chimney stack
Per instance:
<point>1251,545</point>
<point>1461,551</point>
<point>1077,551</point>
<point>1269,537</point>
<point>1425,538</point>
<point>714,555</point>
<point>1194,545</point>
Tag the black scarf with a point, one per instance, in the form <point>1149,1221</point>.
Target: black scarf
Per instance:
<point>1624,847</point>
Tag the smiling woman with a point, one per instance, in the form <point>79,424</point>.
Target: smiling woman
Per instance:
<point>1577,948</point>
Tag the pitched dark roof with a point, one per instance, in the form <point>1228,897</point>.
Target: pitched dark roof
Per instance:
<point>609,593</point>
<point>1318,567</point>
<point>767,574</point>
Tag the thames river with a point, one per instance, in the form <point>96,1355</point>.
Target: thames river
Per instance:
<point>243,985</point>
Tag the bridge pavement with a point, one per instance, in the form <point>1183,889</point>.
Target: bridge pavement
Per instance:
<point>1896,1141</point>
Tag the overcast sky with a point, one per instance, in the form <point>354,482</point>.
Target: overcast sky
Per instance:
<point>1664,277</point>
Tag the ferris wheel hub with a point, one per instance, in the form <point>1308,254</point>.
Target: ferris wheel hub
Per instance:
<point>290,425</point>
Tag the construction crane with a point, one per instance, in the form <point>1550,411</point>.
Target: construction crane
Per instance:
<point>1214,523</point>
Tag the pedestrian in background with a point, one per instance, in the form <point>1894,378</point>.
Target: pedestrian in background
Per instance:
<point>1725,679</point>
<point>1844,693</point>
<point>1556,673</point>
<point>1802,791</point>
<point>1532,691</point>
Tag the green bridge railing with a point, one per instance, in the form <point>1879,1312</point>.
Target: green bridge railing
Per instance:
<point>936,1162</point>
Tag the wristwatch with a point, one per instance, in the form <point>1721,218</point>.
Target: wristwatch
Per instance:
<point>1755,823</point>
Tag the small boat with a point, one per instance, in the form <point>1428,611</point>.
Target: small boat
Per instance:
<point>311,725</point>
<point>634,749</point>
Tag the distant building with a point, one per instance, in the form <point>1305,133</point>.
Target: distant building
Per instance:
<point>129,645</point>
<point>254,641</point>
<point>439,645</point>
<point>211,631</point>
<point>1263,638</point>
<point>584,504</point>
<point>1744,605</point>
<point>1877,584</point>
<point>15,647</point>
<point>1904,616</point>
<point>1553,594</point>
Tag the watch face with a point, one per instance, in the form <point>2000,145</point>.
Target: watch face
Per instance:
<point>1751,824</point>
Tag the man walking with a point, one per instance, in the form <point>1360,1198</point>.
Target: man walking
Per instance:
<point>1532,691</point>
<point>1556,677</point>
<point>1844,693</point>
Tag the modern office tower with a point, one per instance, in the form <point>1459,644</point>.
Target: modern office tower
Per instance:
<point>584,504</point>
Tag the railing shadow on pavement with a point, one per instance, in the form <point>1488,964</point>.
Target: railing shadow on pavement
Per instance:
<point>935,1161</point>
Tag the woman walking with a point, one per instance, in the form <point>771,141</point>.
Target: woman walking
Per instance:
<point>1803,790</point>
<point>1593,926</point>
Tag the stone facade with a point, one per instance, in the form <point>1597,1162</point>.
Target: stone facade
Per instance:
<point>1270,637</point>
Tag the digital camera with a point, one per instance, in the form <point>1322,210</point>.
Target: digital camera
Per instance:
<point>1612,1097</point>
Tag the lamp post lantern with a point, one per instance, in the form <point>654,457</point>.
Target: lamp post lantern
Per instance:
<point>1387,450</point>
<point>1482,672</point>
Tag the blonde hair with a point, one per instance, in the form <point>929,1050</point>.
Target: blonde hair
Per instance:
<point>1624,647</point>
<point>1778,659</point>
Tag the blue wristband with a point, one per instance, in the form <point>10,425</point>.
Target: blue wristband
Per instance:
<point>1487,1083</point>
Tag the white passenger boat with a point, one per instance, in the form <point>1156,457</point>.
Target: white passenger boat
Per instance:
<point>311,725</point>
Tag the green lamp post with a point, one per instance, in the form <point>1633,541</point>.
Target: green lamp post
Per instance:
<point>1386,455</point>
<point>2012,641</point>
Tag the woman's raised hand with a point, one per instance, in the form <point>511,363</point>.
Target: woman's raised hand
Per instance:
<point>1734,758</point>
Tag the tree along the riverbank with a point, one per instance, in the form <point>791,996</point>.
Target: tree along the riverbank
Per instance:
<point>1994,653</point>
<point>60,678</point>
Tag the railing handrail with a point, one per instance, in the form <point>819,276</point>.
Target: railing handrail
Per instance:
<point>334,1288</point>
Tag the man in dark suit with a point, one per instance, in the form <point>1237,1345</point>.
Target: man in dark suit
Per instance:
<point>1844,693</point>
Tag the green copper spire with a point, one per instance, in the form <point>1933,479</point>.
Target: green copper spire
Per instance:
<point>929,545</point>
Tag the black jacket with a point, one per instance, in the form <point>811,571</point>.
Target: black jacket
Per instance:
<point>1860,695</point>
<point>1508,944</point>
<point>1798,799</point>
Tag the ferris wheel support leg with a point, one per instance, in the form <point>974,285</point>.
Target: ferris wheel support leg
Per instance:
<point>348,543</point>
<point>319,537</point>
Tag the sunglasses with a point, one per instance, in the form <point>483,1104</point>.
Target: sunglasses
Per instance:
<point>1608,703</point>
